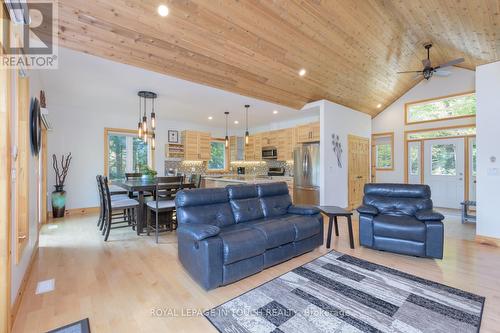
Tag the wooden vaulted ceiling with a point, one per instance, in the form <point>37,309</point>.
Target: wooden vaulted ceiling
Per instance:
<point>351,49</point>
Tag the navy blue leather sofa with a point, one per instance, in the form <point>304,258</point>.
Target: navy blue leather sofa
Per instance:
<point>399,218</point>
<point>226,234</point>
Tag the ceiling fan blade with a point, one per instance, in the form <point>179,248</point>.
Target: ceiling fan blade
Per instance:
<point>442,73</point>
<point>426,63</point>
<point>409,72</point>
<point>451,63</point>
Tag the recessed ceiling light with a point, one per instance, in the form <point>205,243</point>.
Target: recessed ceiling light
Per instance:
<point>210,118</point>
<point>236,122</point>
<point>163,10</point>
<point>379,106</point>
<point>302,72</point>
<point>275,111</point>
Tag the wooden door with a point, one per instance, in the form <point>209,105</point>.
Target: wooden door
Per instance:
<point>358,168</point>
<point>204,146</point>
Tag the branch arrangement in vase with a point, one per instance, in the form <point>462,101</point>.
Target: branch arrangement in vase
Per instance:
<point>61,171</point>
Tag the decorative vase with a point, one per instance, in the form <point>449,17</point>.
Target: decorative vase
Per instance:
<point>58,201</point>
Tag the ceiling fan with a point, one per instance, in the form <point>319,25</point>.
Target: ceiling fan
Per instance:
<point>429,71</point>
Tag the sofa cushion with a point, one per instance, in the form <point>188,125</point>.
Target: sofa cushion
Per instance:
<point>277,232</point>
<point>242,244</point>
<point>245,203</point>
<point>204,206</point>
<point>398,190</point>
<point>305,226</point>
<point>274,199</point>
<point>399,227</point>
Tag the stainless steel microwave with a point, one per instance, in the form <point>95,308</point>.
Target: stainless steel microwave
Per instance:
<point>269,153</point>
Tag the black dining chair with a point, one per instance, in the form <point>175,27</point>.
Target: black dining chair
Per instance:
<point>165,190</point>
<point>135,176</point>
<point>195,179</point>
<point>115,195</point>
<point>127,207</point>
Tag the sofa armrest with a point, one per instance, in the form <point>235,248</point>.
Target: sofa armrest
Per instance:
<point>303,210</point>
<point>367,209</point>
<point>198,231</point>
<point>428,215</point>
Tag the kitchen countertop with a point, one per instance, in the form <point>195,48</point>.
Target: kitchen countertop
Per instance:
<point>249,179</point>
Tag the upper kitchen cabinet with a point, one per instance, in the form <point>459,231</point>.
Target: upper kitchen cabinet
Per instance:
<point>253,150</point>
<point>270,139</point>
<point>196,145</point>
<point>308,133</point>
<point>236,148</point>
<point>286,144</point>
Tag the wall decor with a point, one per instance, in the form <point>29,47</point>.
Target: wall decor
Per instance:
<point>59,195</point>
<point>337,149</point>
<point>173,136</point>
<point>35,126</point>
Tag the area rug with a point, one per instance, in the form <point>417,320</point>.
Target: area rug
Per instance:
<point>341,293</point>
<point>81,326</point>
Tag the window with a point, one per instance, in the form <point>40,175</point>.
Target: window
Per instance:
<point>443,160</point>
<point>125,153</point>
<point>474,159</point>
<point>383,149</point>
<point>441,133</point>
<point>217,156</point>
<point>458,106</point>
<point>415,160</point>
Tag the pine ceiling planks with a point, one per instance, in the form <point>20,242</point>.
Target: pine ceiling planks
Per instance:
<point>350,49</point>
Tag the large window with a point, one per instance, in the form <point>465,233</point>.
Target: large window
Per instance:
<point>383,146</point>
<point>415,160</point>
<point>217,156</point>
<point>443,108</point>
<point>125,153</point>
<point>443,160</point>
<point>441,133</point>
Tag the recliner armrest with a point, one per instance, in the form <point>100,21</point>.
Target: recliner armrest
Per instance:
<point>428,215</point>
<point>198,231</point>
<point>367,209</point>
<point>303,210</point>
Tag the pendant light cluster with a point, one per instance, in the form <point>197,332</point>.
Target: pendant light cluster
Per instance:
<point>144,132</point>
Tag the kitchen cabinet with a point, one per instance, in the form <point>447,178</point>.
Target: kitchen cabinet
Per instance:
<point>286,144</point>
<point>236,148</point>
<point>308,133</point>
<point>270,139</point>
<point>253,150</point>
<point>196,145</point>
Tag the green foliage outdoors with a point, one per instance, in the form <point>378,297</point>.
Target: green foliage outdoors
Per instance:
<point>444,108</point>
<point>414,161</point>
<point>384,156</point>
<point>443,133</point>
<point>118,156</point>
<point>443,160</point>
<point>218,155</point>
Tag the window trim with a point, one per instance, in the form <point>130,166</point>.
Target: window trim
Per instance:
<point>432,129</point>
<point>226,162</point>
<point>107,131</point>
<point>407,105</point>
<point>390,135</point>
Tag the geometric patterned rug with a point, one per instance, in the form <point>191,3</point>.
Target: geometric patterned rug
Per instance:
<point>341,293</point>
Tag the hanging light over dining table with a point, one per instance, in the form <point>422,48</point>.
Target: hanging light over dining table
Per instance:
<point>144,131</point>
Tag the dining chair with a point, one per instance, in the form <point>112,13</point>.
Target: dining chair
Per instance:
<point>133,175</point>
<point>195,179</point>
<point>116,195</point>
<point>127,208</point>
<point>165,190</point>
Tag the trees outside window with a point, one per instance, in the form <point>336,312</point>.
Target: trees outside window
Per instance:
<point>217,156</point>
<point>126,153</point>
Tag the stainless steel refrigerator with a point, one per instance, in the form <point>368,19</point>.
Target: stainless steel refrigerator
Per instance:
<point>306,174</point>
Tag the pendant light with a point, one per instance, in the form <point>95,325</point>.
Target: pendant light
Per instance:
<point>247,135</point>
<point>226,139</point>
<point>147,134</point>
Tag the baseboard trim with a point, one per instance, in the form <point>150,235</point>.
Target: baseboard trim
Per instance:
<point>22,287</point>
<point>74,212</point>
<point>491,241</point>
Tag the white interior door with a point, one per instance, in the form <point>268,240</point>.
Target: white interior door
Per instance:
<point>414,156</point>
<point>472,168</point>
<point>444,171</point>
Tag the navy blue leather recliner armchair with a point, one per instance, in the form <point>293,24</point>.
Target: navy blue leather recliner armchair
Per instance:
<point>399,218</point>
<point>226,234</point>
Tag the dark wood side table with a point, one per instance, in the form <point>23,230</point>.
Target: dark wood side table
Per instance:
<point>333,212</point>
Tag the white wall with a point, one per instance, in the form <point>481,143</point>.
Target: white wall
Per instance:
<point>488,137</point>
<point>18,270</point>
<point>392,118</point>
<point>339,120</point>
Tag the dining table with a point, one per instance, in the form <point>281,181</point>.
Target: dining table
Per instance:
<point>140,186</point>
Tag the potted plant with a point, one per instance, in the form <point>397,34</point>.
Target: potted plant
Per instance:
<point>147,172</point>
<point>59,195</point>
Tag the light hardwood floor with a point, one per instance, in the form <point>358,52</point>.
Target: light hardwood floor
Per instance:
<point>117,284</point>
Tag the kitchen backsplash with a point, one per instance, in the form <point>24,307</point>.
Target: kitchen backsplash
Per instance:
<point>251,167</point>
